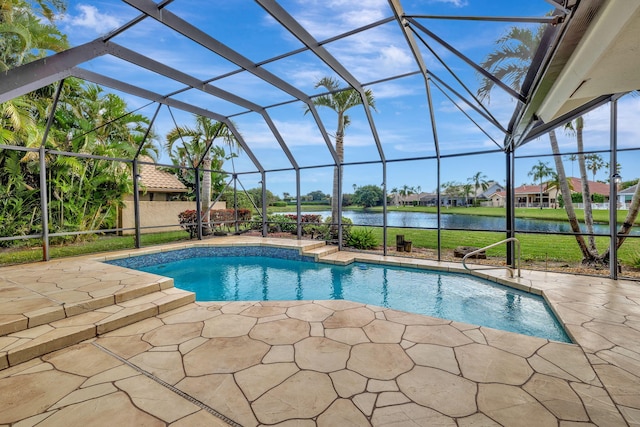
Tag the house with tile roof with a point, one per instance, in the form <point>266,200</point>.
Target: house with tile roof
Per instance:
<point>156,184</point>
<point>161,200</point>
<point>528,196</point>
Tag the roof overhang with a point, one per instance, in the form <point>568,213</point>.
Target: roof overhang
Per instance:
<point>596,56</point>
<point>605,62</point>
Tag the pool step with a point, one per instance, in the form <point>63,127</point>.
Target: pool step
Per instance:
<point>320,251</point>
<point>27,344</point>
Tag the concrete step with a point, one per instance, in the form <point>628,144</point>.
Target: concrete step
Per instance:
<point>320,251</point>
<point>27,344</point>
<point>39,310</point>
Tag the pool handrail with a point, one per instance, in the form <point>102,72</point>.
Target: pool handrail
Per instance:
<point>508,268</point>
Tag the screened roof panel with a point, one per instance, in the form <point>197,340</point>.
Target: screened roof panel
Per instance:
<point>301,134</point>
<point>302,70</point>
<point>374,54</point>
<point>132,74</point>
<point>208,102</point>
<point>402,118</point>
<point>159,43</point>
<point>262,141</point>
<point>262,37</point>
<point>252,88</point>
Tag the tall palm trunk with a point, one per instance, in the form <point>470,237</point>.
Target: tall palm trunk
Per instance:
<point>337,174</point>
<point>586,194</point>
<point>587,256</point>
<point>632,214</point>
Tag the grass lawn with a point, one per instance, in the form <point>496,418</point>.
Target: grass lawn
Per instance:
<point>100,244</point>
<point>534,247</point>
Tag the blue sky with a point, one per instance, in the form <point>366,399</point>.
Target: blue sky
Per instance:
<point>402,117</point>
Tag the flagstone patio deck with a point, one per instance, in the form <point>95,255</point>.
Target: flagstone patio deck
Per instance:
<point>86,343</point>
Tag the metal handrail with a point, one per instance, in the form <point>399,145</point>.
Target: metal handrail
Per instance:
<point>508,268</point>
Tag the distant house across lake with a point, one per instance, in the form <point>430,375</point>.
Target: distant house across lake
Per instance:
<point>528,196</point>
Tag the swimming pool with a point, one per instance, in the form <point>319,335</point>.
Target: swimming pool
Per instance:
<point>267,274</point>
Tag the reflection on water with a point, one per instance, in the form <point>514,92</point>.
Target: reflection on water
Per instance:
<point>465,222</point>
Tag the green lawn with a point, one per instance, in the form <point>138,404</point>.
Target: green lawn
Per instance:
<point>534,247</point>
<point>100,244</point>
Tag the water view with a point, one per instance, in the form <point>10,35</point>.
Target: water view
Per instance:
<point>466,222</point>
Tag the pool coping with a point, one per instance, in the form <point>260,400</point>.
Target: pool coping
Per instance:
<point>324,254</point>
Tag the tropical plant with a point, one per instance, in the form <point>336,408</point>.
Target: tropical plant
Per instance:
<point>24,35</point>
<point>539,172</point>
<point>594,163</point>
<point>478,180</point>
<point>466,189</point>
<point>510,61</point>
<point>197,150</point>
<point>362,238</point>
<point>339,101</point>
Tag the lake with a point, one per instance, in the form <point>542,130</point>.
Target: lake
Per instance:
<point>457,221</point>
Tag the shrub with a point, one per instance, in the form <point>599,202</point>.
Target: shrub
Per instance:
<point>635,260</point>
<point>281,223</point>
<point>189,221</point>
<point>362,238</point>
<point>331,233</point>
<point>280,204</point>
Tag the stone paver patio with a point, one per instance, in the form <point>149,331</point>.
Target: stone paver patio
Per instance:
<point>85,343</point>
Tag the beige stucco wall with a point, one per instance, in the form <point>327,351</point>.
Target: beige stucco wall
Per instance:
<point>157,213</point>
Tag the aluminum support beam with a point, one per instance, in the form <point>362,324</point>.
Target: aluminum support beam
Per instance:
<point>471,63</point>
<point>298,206</point>
<point>136,202</point>
<point>264,204</point>
<point>198,208</point>
<point>413,46</point>
<point>181,26</point>
<point>44,205</point>
<point>42,72</point>
<point>613,191</point>
<point>147,132</point>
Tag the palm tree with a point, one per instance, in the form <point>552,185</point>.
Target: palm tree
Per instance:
<point>572,158</point>
<point>478,180</point>
<point>198,150</point>
<point>594,163</point>
<point>466,189</point>
<point>539,172</point>
<point>510,63</point>
<point>577,128</point>
<point>25,36</point>
<point>339,101</point>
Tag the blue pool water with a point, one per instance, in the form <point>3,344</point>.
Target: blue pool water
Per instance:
<point>229,274</point>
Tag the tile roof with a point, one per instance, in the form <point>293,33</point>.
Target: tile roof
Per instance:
<point>154,179</point>
<point>629,190</point>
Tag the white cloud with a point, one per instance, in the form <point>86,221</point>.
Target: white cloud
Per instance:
<point>454,3</point>
<point>90,18</point>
